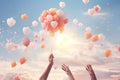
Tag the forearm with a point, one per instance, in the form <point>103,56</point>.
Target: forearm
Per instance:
<point>93,76</point>
<point>46,73</point>
<point>70,76</point>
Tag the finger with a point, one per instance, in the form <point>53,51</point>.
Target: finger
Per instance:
<point>63,68</point>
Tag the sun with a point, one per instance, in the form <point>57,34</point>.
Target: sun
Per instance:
<point>64,40</point>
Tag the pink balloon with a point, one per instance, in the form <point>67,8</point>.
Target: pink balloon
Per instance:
<point>97,8</point>
<point>26,42</point>
<point>16,78</point>
<point>42,38</point>
<point>119,48</point>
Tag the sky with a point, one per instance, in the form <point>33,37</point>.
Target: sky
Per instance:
<point>69,47</point>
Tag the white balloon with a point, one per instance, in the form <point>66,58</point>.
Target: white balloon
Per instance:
<point>85,1</point>
<point>75,21</point>
<point>62,4</point>
<point>49,17</point>
<point>11,22</point>
<point>11,46</point>
<point>91,12</point>
<point>80,24</point>
<point>101,36</point>
<point>34,23</point>
<point>88,29</point>
<point>32,45</point>
<point>42,32</point>
<point>59,13</point>
<point>54,24</point>
<point>26,30</point>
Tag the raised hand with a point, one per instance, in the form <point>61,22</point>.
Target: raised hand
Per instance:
<point>91,72</point>
<point>51,58</point>
<point>44,76</point>
<point>68,72</point>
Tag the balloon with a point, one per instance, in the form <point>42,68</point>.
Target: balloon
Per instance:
<point>42,38</point>
<point>62,4</point>
<point>24,17</point>
<point>22,60</point>
<point>85,1</point>
<point>42,45</point>
<point>97,8</point>
<point>26,30</point>
<point>75,21</point>
<point>44,13</point>
<point>53,20</point>
<point>88,29</point>
<point>91,12</point>
<point>119,48</point>
<point>101,37</point>
<point>107,52</point>
<point>54,24</point>
<point>16,78</point>
<point>34,23</point>
<point>80,24</point>
<point>52,11</point>
<point>49,17</point>
<point>88,35</point>
<point>26,42</point>
<point>11,46</point>
<point>11,22</point>
<point>13,64</point>
<point>95,38</point>
<point>42,32</point>
<point>32,44</point>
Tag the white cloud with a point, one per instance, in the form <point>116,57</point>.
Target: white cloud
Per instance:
<point>97,14</point>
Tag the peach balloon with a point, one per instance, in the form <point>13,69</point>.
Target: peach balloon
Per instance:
<point>24,17</point>
<point>44,13</point>
<point>22,60</point>
<point>42,45</point>
<point>95,38</point>
<point>107,52</point>
<point>13,64</point>
<point>88,35</point>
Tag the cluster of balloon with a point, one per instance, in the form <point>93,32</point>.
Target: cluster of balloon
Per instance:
<point>13,64</point>
<point>22,60</point>
<point>107,52</point>
<point>24,17</point>
<point>94,38</point>
<point>53,20</point>
<point>26,42</point>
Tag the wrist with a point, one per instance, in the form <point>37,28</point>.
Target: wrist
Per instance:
<point>51,63</point>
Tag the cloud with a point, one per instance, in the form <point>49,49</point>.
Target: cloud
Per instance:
<point>97,14</point>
